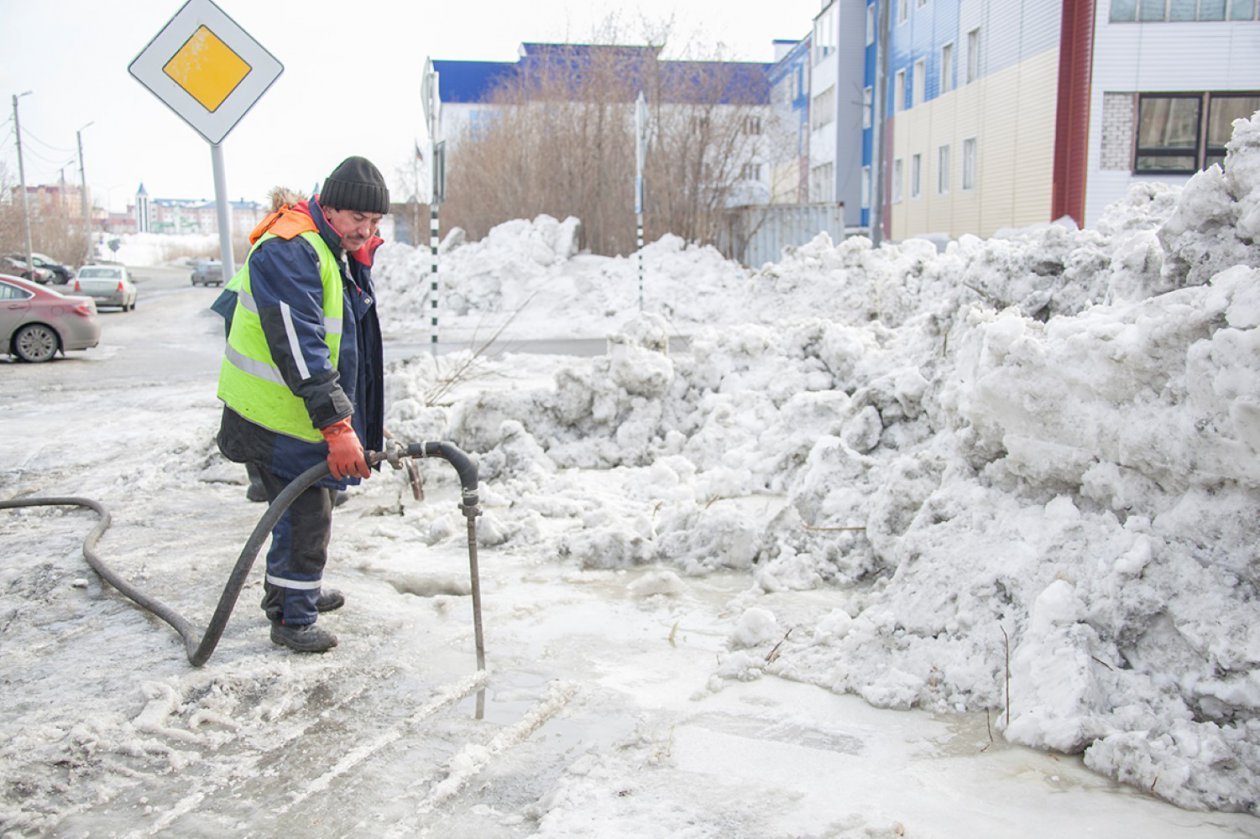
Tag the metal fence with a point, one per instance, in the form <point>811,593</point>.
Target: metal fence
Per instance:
<point>755,235</point>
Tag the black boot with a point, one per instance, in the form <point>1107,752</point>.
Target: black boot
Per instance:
<point>308,638</point>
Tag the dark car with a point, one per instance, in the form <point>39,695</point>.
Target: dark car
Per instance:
<point>62,274</point>
<point>207,272</point>
<point>37,322</point>
<point>17,266</point>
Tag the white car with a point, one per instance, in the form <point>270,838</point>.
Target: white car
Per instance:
<point>108,285</point>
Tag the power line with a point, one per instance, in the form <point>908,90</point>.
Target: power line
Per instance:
<point>26,133</point>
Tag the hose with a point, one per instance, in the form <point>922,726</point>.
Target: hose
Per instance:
<point>200,649</point>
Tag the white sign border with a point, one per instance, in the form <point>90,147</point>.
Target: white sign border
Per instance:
<point>147,69</point>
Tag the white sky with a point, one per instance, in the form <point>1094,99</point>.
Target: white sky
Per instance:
<point>349,86</point>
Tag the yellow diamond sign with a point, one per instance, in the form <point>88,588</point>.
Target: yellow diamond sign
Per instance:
<point>207,68</point>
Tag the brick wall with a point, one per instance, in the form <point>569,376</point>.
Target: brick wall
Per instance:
<point>1117,131</point>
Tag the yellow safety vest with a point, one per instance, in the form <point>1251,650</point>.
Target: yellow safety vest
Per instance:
<point>249,380</point>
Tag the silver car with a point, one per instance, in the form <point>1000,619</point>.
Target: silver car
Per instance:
<point>36,322</point>
<point>108,285</point>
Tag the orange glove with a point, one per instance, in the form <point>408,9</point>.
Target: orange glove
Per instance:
<point>345,453</point>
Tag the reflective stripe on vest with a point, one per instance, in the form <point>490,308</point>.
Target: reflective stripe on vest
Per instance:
<point>249,380</point>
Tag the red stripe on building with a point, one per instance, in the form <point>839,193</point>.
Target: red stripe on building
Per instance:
<point>1071,132</point>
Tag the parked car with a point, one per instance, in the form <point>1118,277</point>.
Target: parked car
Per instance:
<point>17,266</point>
<point>207,272</point>
<point>61,273</point>
<point>108,285</point>
<point>36,322</point>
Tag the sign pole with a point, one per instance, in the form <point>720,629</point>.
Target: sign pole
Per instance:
<point>228,262</point>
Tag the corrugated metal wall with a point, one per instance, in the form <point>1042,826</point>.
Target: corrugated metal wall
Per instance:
<point>754,236</point>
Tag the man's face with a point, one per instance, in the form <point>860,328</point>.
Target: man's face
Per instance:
<point>354,227</point>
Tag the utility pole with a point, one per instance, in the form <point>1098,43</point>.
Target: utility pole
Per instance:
<point>83,198</point>
<point>877,125</point>
<point>26,209</point>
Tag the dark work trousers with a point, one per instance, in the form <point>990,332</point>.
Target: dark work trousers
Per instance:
<point>299,549</point>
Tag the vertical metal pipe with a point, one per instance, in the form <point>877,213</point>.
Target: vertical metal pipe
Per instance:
<point>475,575</point>
<point>877,124</point>
<point>224,212</point>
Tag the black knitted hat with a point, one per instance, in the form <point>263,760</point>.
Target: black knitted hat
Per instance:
<point>355,185</point>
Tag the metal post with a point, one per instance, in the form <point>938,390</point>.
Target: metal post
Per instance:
<point>26,209</point>
<point>224,213</point>
<point>877,125</point>
<point>434,240</point>
<point>83,196</point>
<point>639,242</point>
<point>640,157</point>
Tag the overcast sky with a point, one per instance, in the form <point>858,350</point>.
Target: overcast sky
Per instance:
<point>350,84</point>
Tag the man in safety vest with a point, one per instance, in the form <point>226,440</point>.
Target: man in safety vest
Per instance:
<point>301,380</point>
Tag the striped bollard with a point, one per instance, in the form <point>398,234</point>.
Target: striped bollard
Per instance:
<point>639,239</point>
<point>433,278</point>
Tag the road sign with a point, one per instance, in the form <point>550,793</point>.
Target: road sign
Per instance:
<point>206,68</point>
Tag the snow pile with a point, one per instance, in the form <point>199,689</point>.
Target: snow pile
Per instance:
<point>147,249</point>
<point>524,273</point>
<point>1024,470</point>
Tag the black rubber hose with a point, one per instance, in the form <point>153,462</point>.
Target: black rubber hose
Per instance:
<point>199,650</point>
<point>464,465</point>
<point>240,573</point>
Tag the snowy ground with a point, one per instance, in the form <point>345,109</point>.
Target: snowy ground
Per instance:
<point>892,519</point>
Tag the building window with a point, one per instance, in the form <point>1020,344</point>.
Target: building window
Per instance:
<point>1223,109</point>
<point>825,35</point>
<point>1168,134</point>
<point>947,68</point>
<point>822,182</point>
<point>750,172</point>
<point>896,181</point>
<point>870,24</point>
<point>973,55</point>
<point>1177,11</point>
<point>899,91</point>
<point>916,176</point>
<point>868,102</point>
<point>903,10</point>
<point>1182,10</point>
<point>919,95</point>
<point>866,187</point>
<point>823,108</point>
<point>969,164</point>
<point>1173,137</point>
<point>752,125</point>
<point>942,169</point>
<point>480,122</point>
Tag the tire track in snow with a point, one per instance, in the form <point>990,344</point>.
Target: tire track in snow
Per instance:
<point>448,696</point>
<point>474,757</point>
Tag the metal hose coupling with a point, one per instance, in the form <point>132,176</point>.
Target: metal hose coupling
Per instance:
<point>464,465</point>
<point>395,455</point>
